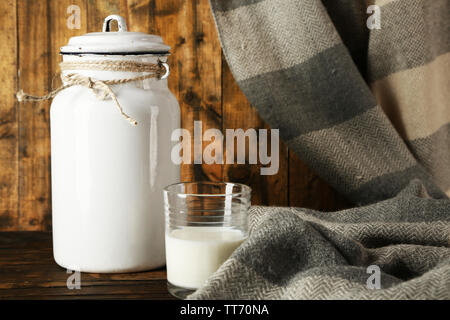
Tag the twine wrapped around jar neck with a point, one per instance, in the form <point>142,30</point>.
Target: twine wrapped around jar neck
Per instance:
<point>101,88</point>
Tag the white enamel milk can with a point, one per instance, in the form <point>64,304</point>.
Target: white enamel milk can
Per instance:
<point>110,151</point>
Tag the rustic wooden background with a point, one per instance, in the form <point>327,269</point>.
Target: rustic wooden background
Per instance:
<point>31,32</point>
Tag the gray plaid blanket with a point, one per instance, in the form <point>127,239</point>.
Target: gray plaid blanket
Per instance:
<point>366,105</point>
<point>303,254</point>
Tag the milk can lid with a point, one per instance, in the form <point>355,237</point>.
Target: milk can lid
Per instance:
<point>116,43</point>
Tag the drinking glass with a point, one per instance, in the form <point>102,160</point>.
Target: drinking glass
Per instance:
<point>205,223</point>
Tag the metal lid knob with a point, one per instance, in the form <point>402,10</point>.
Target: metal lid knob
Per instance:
<point>121,23</point>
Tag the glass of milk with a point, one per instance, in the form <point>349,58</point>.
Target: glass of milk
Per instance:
<point>205,223</point>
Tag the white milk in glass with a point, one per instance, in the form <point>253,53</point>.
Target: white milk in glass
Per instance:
<point>194,253</point>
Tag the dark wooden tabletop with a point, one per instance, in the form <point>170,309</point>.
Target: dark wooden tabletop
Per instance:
<point>28,271</point>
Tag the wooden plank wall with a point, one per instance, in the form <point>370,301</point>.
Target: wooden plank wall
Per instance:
<point>31,33</point>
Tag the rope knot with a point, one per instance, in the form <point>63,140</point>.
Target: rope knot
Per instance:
<point>90,83</point>
<point>101,88</point>
<point>20,95</point>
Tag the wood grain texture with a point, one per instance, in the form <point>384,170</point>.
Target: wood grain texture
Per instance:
<point>60,33</point>
<point>34,131</point>
<point>188,27</point>
<point>308,190</point>
<point>9,132</point>
<point>28,271</point>
<point>200,79</point>
<point>238,113</point>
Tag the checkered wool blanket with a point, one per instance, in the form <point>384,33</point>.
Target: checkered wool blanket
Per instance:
<point>369,110</point>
